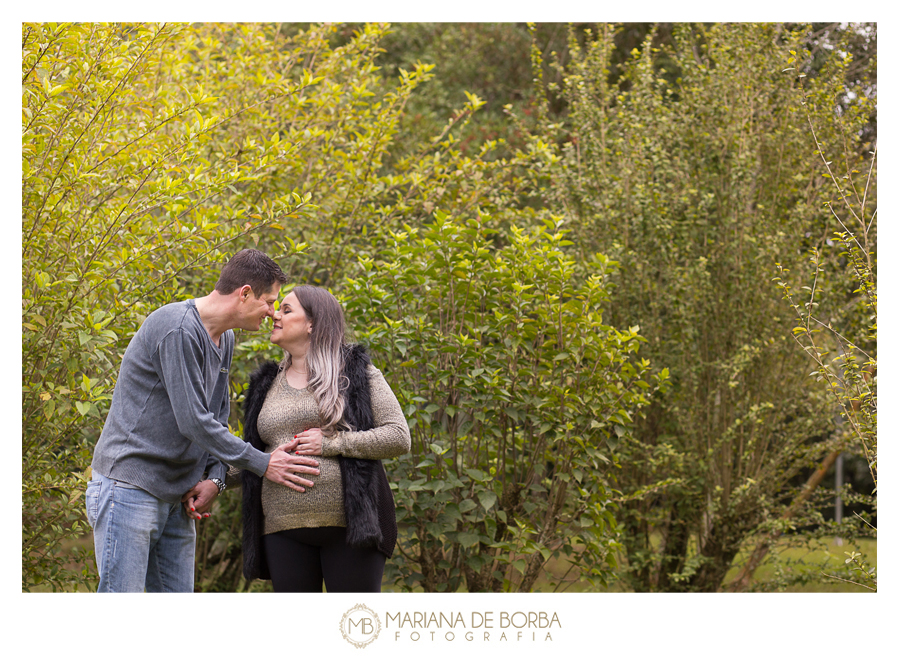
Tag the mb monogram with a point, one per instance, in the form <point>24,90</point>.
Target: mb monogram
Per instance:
<point>360,626</point>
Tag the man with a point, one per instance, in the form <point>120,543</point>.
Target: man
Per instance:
<point>167,433</point>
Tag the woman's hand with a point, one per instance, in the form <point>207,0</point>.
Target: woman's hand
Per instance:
<point>310,442</point>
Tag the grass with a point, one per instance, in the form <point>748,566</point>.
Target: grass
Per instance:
<point>800,562</point>
<point>788,568</point>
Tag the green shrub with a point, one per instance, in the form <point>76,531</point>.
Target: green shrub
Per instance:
<point>516,392</point>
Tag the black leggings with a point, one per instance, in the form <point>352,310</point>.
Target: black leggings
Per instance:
<point>302,558</point>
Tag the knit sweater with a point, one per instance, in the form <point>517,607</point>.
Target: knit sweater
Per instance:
<point>168,421</point>
<point>368,501</point>
<point>288,411</point>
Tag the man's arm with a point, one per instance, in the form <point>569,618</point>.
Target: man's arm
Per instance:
<point>199,499</point>
<point>178,360</point>
<point>214,467</point>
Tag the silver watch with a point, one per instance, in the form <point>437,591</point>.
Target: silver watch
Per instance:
<point>218,483</point>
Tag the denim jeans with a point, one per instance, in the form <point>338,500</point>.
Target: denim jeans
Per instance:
<point>140,541</point>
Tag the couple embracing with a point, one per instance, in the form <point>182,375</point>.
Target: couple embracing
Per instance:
<point>317,507</point>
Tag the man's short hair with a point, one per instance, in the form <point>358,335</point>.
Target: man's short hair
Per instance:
<point>250,267</point>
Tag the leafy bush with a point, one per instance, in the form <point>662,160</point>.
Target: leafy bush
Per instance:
<point>517,393</point>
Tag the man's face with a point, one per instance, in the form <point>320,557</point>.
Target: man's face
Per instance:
<point>256,309</point>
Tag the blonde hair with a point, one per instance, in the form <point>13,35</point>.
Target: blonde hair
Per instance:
<point>325,358</point>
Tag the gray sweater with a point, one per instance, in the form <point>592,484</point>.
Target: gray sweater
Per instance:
<point>168,421</point>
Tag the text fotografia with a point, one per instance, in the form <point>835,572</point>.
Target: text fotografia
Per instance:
<point>479,626</point>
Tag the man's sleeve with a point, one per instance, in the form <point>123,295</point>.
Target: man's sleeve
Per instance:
<point>178,361</point>
<point>214,467</point>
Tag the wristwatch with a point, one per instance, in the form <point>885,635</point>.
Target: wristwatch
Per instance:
<point>218,483</point>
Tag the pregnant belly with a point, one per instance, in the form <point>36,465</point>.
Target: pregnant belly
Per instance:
<point>320,505</point>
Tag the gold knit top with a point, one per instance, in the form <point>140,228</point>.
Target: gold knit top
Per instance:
<point>288,411</point>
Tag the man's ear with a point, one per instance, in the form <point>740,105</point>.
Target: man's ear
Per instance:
<point>245,292</point>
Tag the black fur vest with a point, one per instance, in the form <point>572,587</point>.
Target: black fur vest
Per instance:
<point>368,501</point>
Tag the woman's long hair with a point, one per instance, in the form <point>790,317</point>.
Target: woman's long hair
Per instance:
<point>325,358</point>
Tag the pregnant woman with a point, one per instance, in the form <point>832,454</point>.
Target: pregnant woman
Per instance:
<point>327,394</point>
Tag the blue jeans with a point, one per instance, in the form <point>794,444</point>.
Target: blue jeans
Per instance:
<point>140,541</point>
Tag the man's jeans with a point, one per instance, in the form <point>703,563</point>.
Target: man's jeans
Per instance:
<point>140,541</point>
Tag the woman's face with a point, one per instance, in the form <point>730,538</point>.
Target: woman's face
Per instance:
<point>291,327</point>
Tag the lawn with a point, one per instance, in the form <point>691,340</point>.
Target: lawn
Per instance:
<point>789,563</point>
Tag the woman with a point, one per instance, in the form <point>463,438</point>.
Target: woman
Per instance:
<point>341,530</point>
